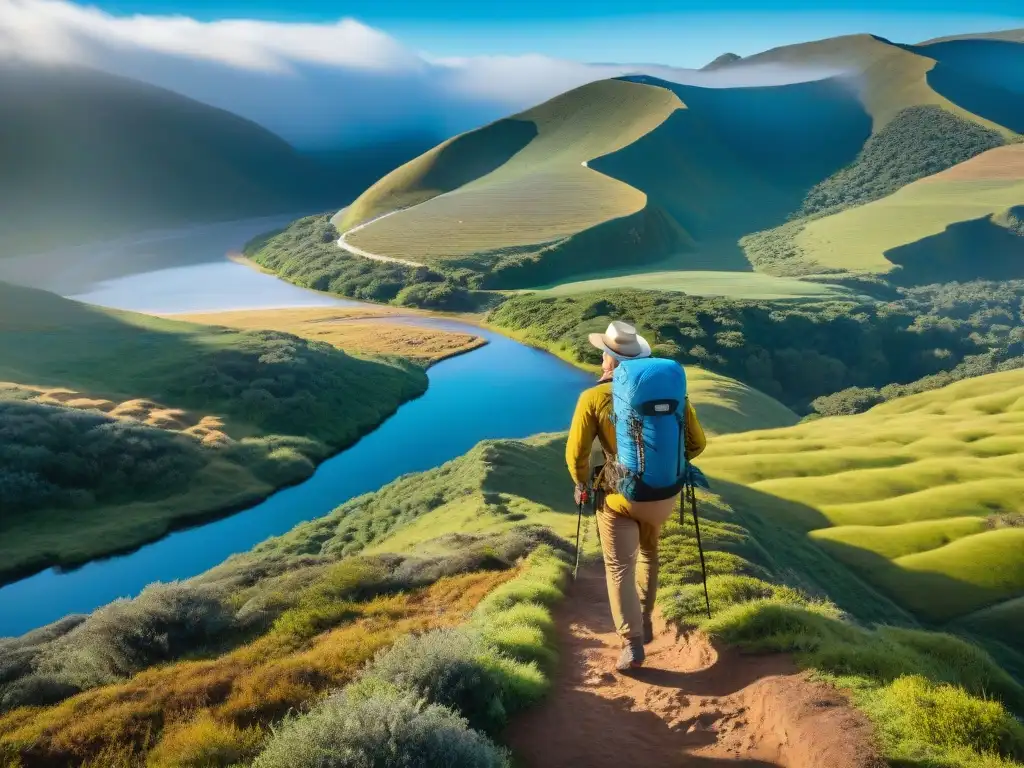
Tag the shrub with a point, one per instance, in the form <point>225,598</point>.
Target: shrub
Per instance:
<point>918,142</point>
<point>163,622</point>
<point>687,602</point>
<point>58,456</point>
<point>386,728</point>
<point>205,742</point>
<point>451,667</point>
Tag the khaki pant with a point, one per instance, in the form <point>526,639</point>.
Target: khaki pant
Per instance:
<point>629,540</point>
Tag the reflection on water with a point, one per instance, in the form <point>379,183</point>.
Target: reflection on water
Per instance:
<point>77,270</point>
<point>207,287</point>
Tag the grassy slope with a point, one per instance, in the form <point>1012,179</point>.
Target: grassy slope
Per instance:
<point>539,195</point>
<point>88,155</point>
<point>320,629</point>
<point>740,285</point>
<point>674,180</point>
<point>888,78</point>
<point>942,469</point>
<point>976,194</point>
<point>277,404</point>
<point>722,148</point>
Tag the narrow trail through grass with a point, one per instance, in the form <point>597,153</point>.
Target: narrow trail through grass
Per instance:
<point>692,704</point>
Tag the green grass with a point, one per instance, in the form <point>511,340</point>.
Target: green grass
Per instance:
<point>915,146</point>
<point>532,164</point>
<point>877,237</point>
<point>739,285</point>
<point>936,698</point>
<point>254,410</point>
<point>920,497</point>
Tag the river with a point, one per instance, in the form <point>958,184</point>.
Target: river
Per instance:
<point>501,390</point>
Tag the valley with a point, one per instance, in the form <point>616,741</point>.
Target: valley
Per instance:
<point>289,490</point>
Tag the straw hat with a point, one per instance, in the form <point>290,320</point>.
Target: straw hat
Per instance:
<point>621,342</point>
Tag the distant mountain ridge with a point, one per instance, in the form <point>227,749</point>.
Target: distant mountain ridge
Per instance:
<point>637,171</point>
<point>88,155</point>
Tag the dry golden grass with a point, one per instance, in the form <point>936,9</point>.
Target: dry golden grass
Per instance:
<point>218,709</point>
<point>363,330</point>
<point>209,429</point>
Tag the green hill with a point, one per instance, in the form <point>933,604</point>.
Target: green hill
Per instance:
<point>921,497</point>
<point>957,225</point>
<point>637,174</point>
<point>442,584</point>
<point>118,425</point>
<point>88,155</point>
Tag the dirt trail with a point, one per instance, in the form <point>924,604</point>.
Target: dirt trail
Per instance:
<point>691,704</point>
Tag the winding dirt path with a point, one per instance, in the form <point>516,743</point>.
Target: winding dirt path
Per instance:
<point>356,251</point>
<point>691,705</point>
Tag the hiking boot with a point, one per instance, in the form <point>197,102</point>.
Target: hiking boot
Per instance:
<point>632,656</point>
<point>648,630</point>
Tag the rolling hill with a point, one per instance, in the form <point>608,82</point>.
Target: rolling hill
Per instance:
<point>638,174</point>
<point>88,155</point>
<point>961,224</point>
<point>920,497</point>
<point>443,583</point>
<point>118,426</point>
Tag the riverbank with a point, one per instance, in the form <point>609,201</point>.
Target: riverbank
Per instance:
<point>182,450</point>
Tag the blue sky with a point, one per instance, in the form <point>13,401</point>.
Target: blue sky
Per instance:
<point>673,32</point>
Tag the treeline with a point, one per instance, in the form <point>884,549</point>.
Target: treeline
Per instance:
<point>918,142</point>
<point>801,354</point>
<point>991,314</point>
<point>307,254</point>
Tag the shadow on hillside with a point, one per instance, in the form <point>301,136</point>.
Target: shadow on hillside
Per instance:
<point>530,471</point>
<point>977,249</point>
<point>995,61</point>
<point>861,582</point>
<point>780,527</point>
<point>739,160</point>
<point>978,91</point>
<point>935,598</point>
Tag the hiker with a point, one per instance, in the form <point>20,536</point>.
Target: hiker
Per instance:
<point>629,529</point>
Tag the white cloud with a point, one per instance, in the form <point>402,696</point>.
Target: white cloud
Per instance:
<point>314,84</point>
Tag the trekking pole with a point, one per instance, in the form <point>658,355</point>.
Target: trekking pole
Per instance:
<point>579,521</point>
<point>696,524</point>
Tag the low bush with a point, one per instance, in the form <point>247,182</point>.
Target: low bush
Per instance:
<point>388,728</point>
<point>948,716</point>
<point>835,356</point>
<point>917,142</point>
<point>205,742</point>
<point>451,667</point>
<point>473,675</point>
<point>162,623</point>
<point>54,456</point>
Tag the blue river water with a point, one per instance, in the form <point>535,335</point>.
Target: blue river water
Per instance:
<point>501,390</point>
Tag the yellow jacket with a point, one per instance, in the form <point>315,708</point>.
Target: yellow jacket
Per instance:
<point>593,420</point>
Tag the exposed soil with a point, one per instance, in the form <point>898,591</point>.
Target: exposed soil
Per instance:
<point>692,704</point>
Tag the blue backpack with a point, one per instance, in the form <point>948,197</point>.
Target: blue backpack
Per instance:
<point>649,413</point>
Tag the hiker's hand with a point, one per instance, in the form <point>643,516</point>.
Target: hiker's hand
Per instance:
<point>581,494</point>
